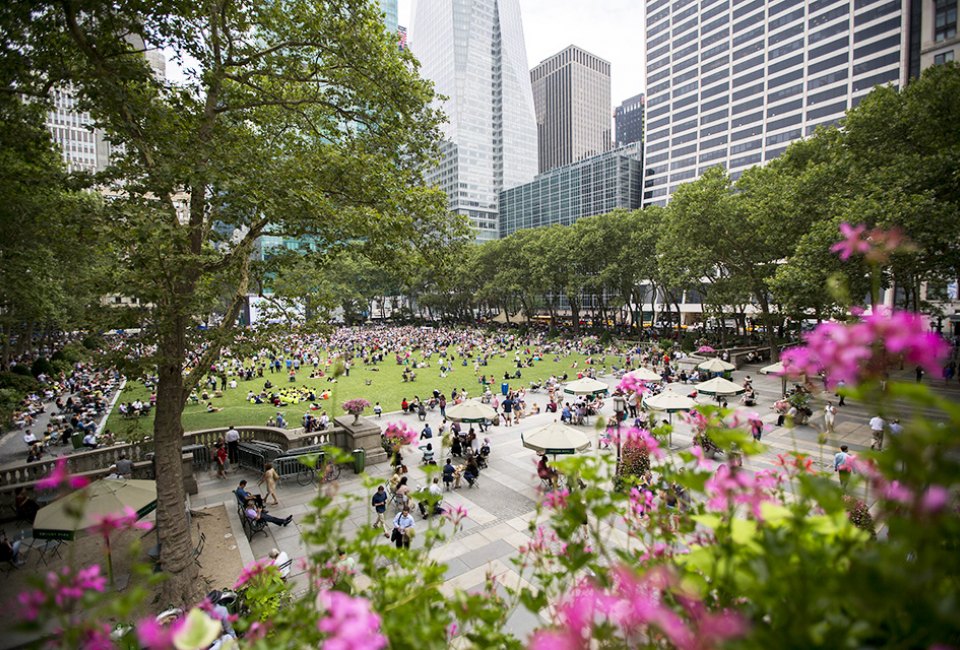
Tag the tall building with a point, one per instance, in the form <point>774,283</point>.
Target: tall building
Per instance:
<point>628,120</point>
<point>84,148</point>
<point>733,82</point>
<point>584,188</point>
<point>390,18</point>
<point>473,51</point>
<point>571,95</point>
<point>938,32</point>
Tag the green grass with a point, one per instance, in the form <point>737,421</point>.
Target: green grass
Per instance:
<point>386,386</point>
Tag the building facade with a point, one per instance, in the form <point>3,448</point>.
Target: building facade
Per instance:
<point>571,95</point>
<point>733,82</point>
<point>390,16</point>
<point>473,51</point>
<point>84,147</point>
<point>938,32</point>
<point>585,188</point>
<point>628,120</point>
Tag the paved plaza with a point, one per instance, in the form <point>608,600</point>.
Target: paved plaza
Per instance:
<point>500,509</point>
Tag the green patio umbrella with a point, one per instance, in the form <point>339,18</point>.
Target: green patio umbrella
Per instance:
<point>720,387</point>
<point>59,520</point>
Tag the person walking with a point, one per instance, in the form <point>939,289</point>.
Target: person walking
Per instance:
<point>379,504</point>
<point>271,478</point>
<point>220,457</point>
<point>829,416</point>
<point>233,446</point>
<point>402,528</point>
<point>841,465</point>
<point>877,425</point>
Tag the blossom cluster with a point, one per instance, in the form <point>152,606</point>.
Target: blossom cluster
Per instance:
<point>60,477</point>
<point>355,406</point>
<point>854,352</point>
<point>637,608</point>
<point>64,588</point>
<point>129,520</point>
<point>728,488</point>
<point>629,383</point>
<point>399,434</point>
<point>638,438</point>
<point>875,245</point>
<point>348,622</point>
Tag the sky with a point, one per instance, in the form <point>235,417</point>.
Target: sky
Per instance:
<point>610,29</point>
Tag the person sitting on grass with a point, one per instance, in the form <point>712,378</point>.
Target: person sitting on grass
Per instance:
<point>213,409</point>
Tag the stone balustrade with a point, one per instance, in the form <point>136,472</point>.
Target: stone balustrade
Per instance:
<point>100,459</point>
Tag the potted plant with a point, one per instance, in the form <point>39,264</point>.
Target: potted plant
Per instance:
<point>355,407</point>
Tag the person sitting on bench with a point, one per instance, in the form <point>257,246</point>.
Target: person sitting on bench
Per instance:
<point>254,513</point>
<point>243,495</point>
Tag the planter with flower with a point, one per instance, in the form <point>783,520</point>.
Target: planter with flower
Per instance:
<point>355,407</point>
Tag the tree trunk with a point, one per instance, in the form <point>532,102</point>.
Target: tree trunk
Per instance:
<point>176,546</point>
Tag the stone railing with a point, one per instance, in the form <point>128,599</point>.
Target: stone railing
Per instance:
<point>96,460</point>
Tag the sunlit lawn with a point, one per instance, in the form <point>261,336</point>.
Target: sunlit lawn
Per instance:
<point>385,385</point>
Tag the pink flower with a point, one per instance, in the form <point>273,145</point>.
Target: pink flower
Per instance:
<point>553,640</point>
<point>399,433</point>
<point>456,515</point>
<point>629,383</point>
<point>643,439</point>
<point>934,499</point>
<point>852,243</point>
<point>349,623</point>
<point>156,636</point>
<point>30,603</point>
<point>853,352</point>
<point>896,491</point>
<point>700,457</point>
<point>726,489</point>
<point>252,570</point>
<point>106,524</point>
<point>556,499</point>
<point>641,502</point>
<point>60,477</point>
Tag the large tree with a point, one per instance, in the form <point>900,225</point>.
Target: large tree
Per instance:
<point>300,118</point>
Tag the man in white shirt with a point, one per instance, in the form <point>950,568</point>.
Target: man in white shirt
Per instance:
<point>402,529</point>
<point>90,440</point>
<point>876,429</point>
<point>233,444</point>
<point>282,562</point>
<point>435,496</point>
<point>29,438</point>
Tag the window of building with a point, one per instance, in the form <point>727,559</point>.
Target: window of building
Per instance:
<point>884,27</point>
<point>783,64</point>
<point>826,64</point>
<point>944,20</point>
<point>773,153</point>
<point>784,34</point>
<point>877,12</point>
<point>786,19</point>
<point>713,117</point>
<point>877,79</point>
<point>743,10</point>
<point>785,78</point>
<point>823,111</point>
<point>890,42</point>
<point>879,62</point>
<point>786,107</point>
<point>816,98</point>
<point>943,57</point>
<point>713,155</point>
<point>832,46</point>
<point>746,92</point>
<point>826,17</point>
<point>786,136</point>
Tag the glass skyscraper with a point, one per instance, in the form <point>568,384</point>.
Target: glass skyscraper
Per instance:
<point>733,82</point>
<point>390,20</point>
<point>473,51</point>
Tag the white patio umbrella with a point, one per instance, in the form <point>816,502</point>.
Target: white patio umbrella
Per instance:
<point>471,410</point>
<point>556,439</point>
<point>645,374</point>
<point>104,497</point>
<point>669,402</point>
<point>716,365</point>
<point>585,386</point>
<point>720,387</point>
<point>777,369</point>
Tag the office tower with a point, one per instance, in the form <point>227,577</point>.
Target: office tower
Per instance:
<point>571,95</point>
<point>938,32</point>
<point>588,187</point>
<point>473,51</point>
<point>734,82</point>
<point>390,19</point>
<point>628,118</point>
<point>84,147</point>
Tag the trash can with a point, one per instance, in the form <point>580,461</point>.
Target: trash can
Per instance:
<point>504,389</point>
<point>359,460</point>
<point>77,440</point>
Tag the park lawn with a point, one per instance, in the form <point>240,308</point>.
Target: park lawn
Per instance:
<point>386,386</point>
